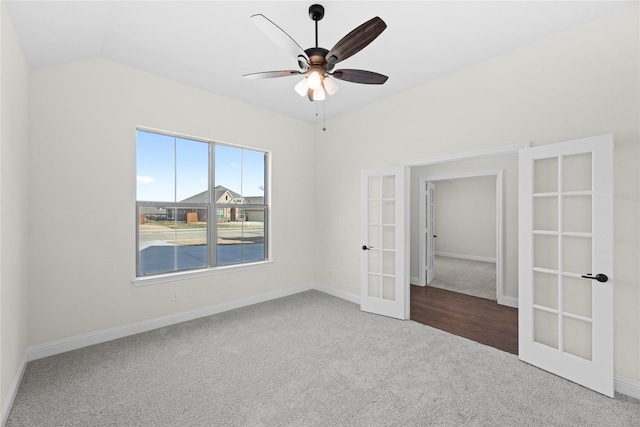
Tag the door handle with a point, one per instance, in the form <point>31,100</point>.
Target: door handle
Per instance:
<point>599,277</point>
<point>366,248</point>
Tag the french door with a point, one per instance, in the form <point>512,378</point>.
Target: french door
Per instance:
<point>384,260</point>
<point>566,260</point>
<point>427,232</point>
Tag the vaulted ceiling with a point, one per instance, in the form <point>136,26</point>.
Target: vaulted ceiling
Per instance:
<point>211,44</point>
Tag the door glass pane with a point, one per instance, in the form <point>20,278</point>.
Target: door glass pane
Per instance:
<point>389,288</point>
<point>388,212</point>
<point>374,261</point>
<point>545,289</point>
<point>427,216</point>
<point>577,172</point>
<point>577,214</point>
<point>428,245</point>
<point>389,187</point>
<point>545,213</point>
<point>577,296</point>
<point>545,252</point>
<point>374,211</point>
<point>545,328</point>
<point>374,285</point>
<point>577,255</point>
<point>578,338</point>
<point>388,237</point>
<point>374,187</point>
<point>389,263</point>
<point>374,236</point>
<point>545,175</point>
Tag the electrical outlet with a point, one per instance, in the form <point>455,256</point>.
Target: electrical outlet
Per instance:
<point>174,295</point>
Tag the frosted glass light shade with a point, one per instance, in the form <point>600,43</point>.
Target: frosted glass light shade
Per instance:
<point>314,80</point>
<point>302,87</point>
<point>318,94</point>
<point>330,86</point>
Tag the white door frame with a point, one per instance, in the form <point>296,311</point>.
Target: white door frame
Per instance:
<point>475,154</point>
<point>500,297</point>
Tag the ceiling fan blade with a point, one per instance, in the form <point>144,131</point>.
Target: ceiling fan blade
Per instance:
<point>280,37</point>
<point>360,76</point>
<point>270,74</point>
<point>355,41</point>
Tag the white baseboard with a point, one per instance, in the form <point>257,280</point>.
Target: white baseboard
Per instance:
<point>415,281</point>
<point>348,296</point>
<point>80,341</point>
<point>627,387</point>
<point>13,391</point>
<point>463,256</point>
<point>509,301</point>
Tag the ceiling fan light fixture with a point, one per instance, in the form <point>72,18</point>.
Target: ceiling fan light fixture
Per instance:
<point>329,86</point>
<point>318,94</point>
<point>302,87</point>
<point>314,80</point>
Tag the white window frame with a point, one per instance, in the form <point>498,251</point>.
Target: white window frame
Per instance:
<point>212,219</point>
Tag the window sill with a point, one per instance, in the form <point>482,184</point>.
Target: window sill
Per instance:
<point>212,271</point>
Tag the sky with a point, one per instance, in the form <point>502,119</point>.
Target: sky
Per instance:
<point>172,169</point>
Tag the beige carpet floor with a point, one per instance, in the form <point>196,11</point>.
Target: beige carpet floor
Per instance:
<point>305,360</point>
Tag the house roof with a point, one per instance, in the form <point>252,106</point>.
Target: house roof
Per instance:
<point>219,192</point>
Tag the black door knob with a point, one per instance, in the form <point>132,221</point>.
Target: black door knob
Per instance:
<point>599,277</point>
<point>365,247</point>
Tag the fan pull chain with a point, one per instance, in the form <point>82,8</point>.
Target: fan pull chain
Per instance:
<point>324,116</point>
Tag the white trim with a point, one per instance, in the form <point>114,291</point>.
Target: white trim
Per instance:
<point>84,340</point>
<point>190,274</point>
<point>509,301</point>
<point>347,296</point>
<point>13,391</point>
<point>465,256</point>
<point>466,155</point>
<point>415,281</point>
<point>627,387</point>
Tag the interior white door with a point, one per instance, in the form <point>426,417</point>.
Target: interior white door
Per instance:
<point>384,265</point>
<point>566,260</point>
<point>428,235</point>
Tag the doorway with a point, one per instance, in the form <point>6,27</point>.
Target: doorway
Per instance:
<point>460,229</point>
<point>492,321</point>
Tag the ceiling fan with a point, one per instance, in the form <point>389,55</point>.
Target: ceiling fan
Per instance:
<point>317,63</point>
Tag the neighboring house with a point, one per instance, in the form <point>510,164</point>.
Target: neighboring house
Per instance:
<point>226,214</point>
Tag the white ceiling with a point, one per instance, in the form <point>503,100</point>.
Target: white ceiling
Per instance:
<point>211,44</point>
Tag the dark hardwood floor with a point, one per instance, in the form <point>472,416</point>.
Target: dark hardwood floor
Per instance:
<point>477,319</point>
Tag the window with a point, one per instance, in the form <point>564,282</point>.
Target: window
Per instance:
<point>180,183</point>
